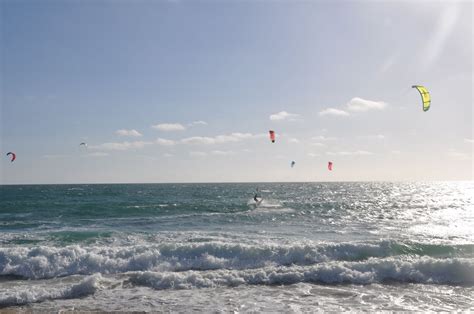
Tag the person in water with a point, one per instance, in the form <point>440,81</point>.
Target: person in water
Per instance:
<point>255,197</point>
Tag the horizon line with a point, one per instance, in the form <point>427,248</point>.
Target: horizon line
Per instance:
<point>234,182</point>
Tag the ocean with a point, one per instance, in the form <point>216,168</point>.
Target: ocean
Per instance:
<point>358,246</point>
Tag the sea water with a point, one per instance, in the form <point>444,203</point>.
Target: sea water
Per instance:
<point>207,247</point>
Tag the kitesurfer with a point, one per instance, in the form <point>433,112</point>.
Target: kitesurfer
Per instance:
<point>255,197</point>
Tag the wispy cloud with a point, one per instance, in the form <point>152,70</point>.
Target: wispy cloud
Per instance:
<point>323,138</point>
<point>132,133</point>
<point>121,146</point>
<point>219,139</point>
<point>458,155</point>
<point>200,122</point>
<point>222,153</point>
<point>165,142</point>
<point>469,140</point>
<point>312,155</point>
<point>372,137</point>
<point>169,127</point>
<point>293,140</point>
<point>445,26</point>
<point>388,63</point>
<point>357,104</point>
<point>354,153</point>
<point>283,115</point>
<point>333,112</point>
<point>198,140</point>
<point>168,155</point>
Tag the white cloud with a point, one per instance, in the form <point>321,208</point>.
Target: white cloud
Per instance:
<point>219,139</point>
<point>198,154</point>
<point>372,137</point>
<point>133,133</point>
<point>168,155</point>
<point>233,137</point>
<point>222,153</point>
<point>396,152</point>
<point>263,135</point>
<point>318,144</point>
<point>356,104</point>
<point>333,112</point>
<point>121,146</point>
<point>293,140</point>
<point>360,105</point>
<point>198,140</point>
<point>165,142</point>
<point>354,153</point>
<point>469,140</point>
<point>200,122</point>
<point>169,127</point>
<point>312,155</point>
<point>323,138</point>
<point>283,115</point>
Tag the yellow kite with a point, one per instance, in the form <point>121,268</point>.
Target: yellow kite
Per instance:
<point>425,96</point>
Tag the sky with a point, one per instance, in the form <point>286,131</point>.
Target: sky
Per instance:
<point>186,91</point>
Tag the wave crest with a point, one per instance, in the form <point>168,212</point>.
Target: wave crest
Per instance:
<point>48,262</point>
<point>21,296</point>
<point>424,270</point>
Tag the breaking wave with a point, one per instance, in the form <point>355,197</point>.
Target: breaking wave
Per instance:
<point>421,270</point>
<point>21,296</point>
<point>44,262</point>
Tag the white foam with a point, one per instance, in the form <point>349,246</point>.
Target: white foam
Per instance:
<point>422,270</point>
<point>34,294</point>
<point>49,262</point>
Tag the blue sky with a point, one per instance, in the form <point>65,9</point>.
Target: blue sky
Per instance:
<point>186,91</point>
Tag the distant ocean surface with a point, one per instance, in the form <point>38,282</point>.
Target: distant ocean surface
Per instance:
<point>206,247</point>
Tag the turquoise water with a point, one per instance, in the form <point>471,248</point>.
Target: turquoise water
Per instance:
<point>335,246</point>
